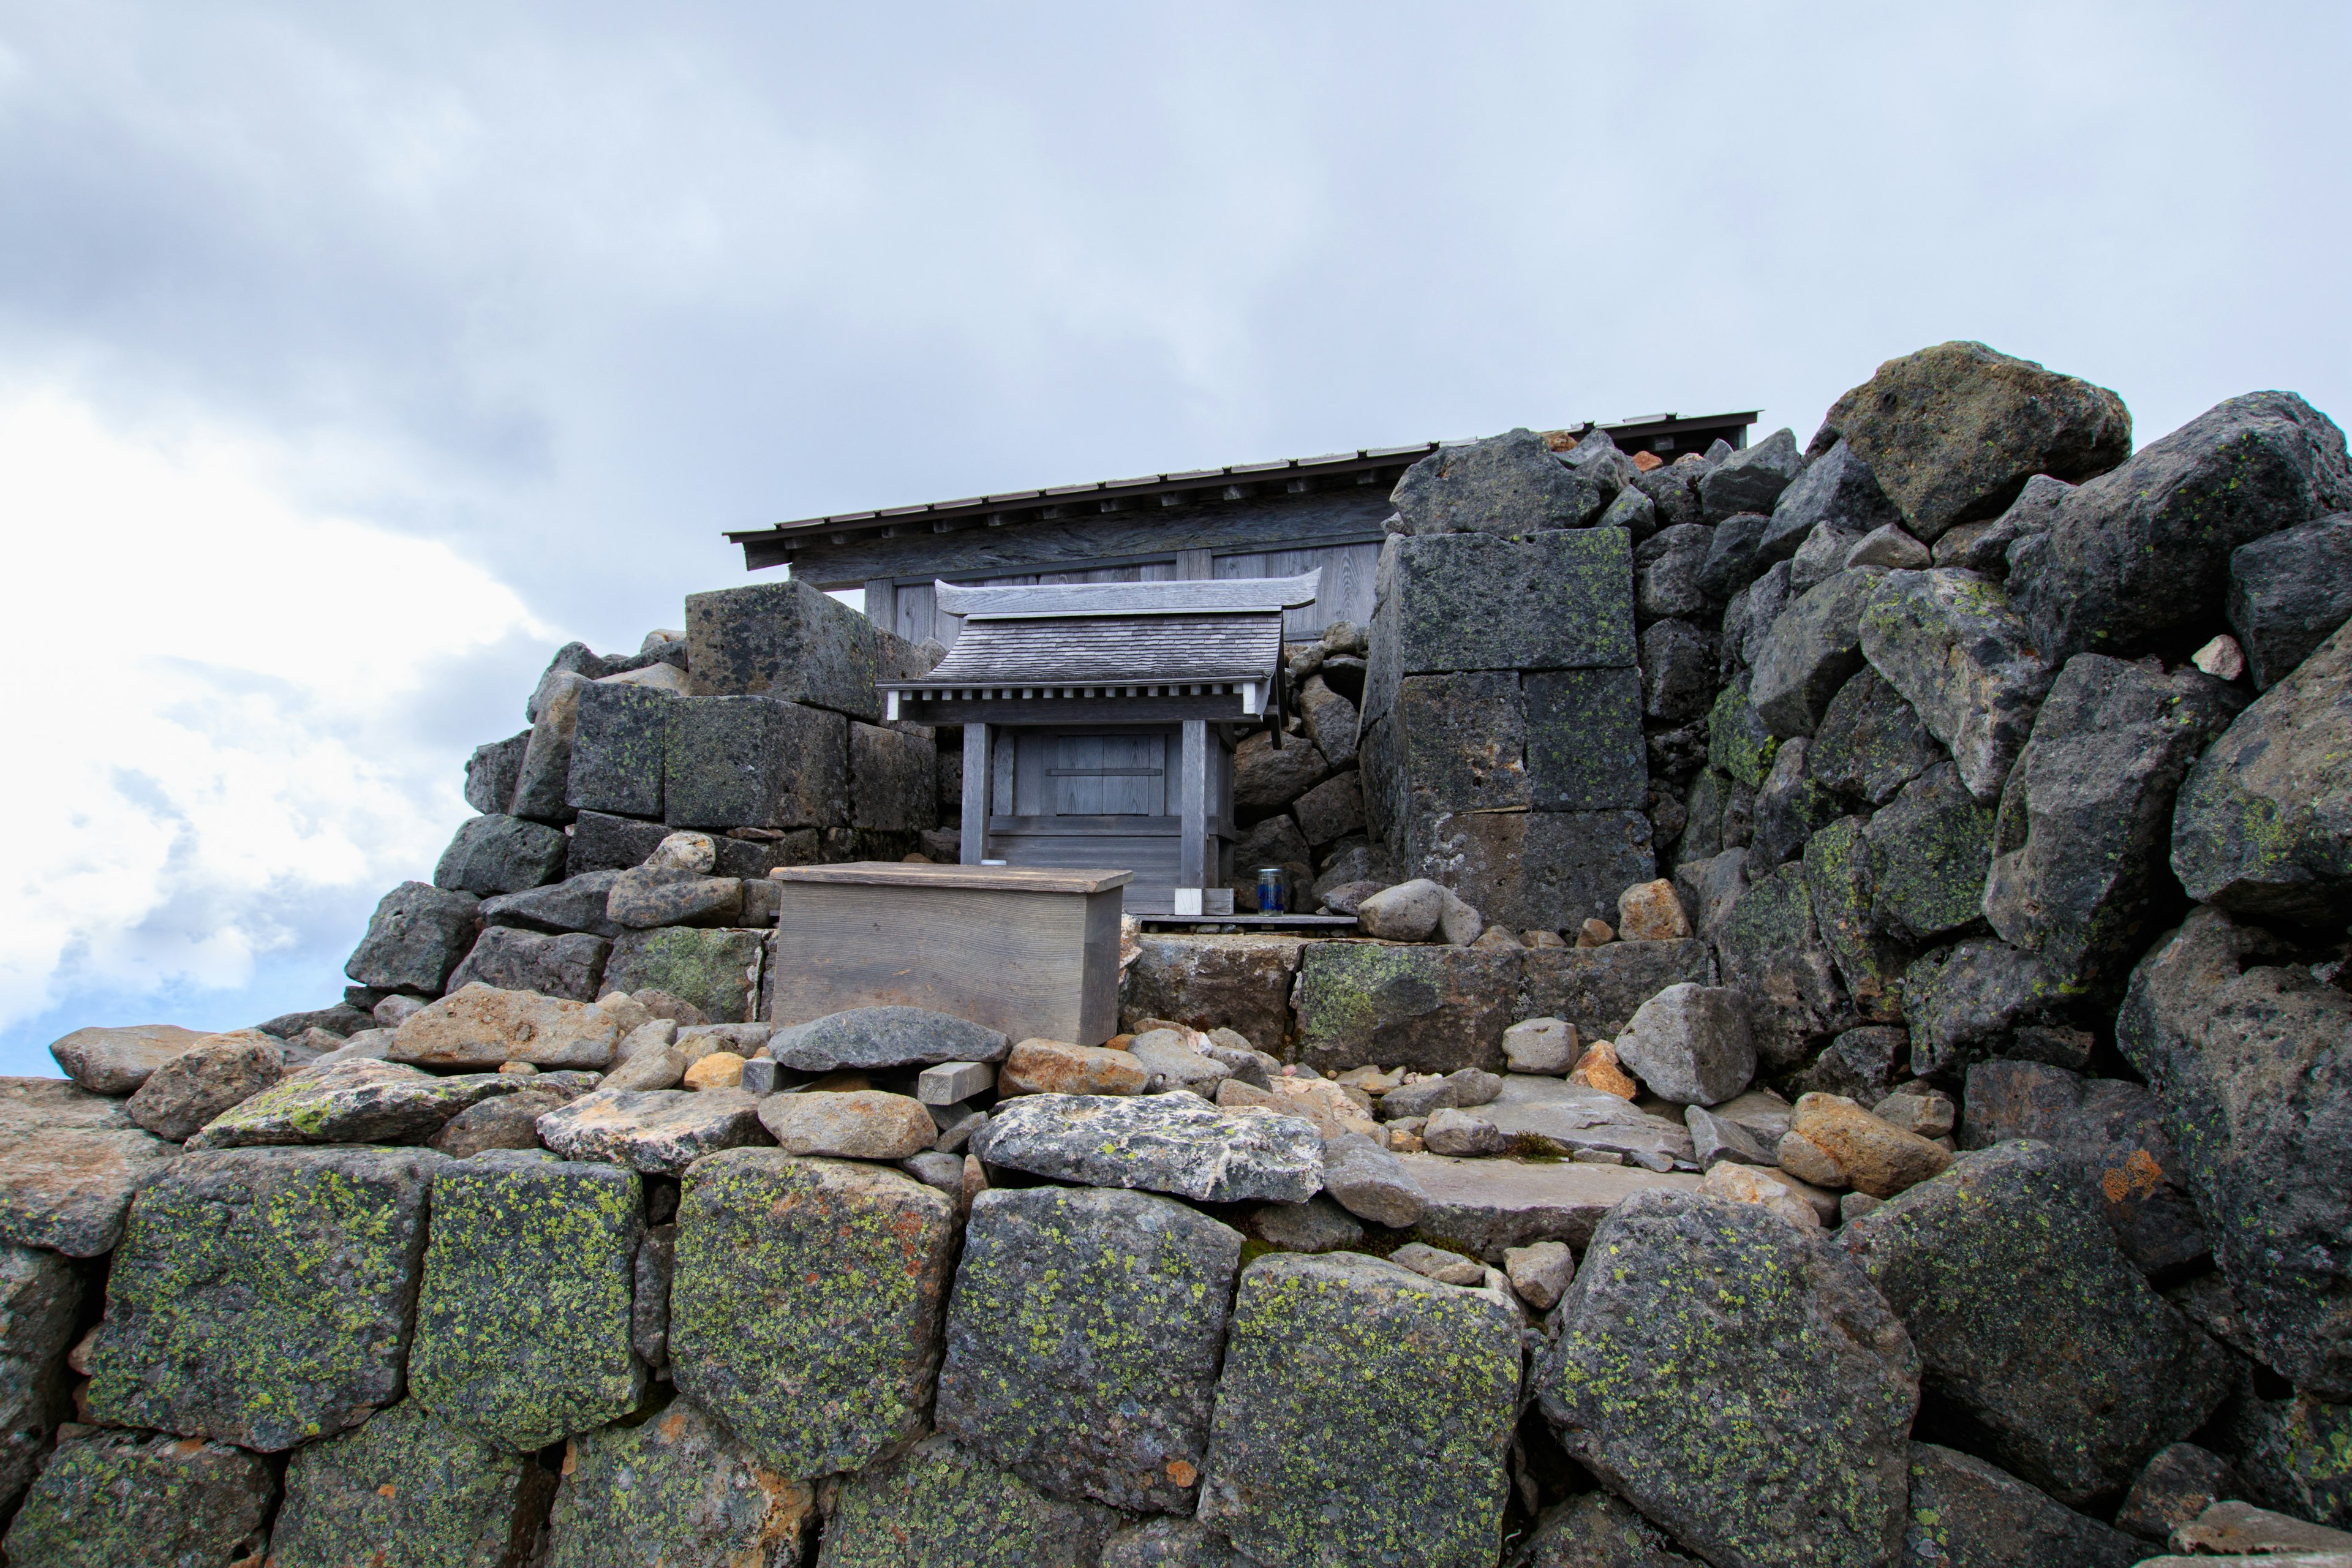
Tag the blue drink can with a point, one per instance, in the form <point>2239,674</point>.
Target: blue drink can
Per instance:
<point>1272,894</point>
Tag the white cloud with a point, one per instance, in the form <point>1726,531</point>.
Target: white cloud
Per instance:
<point>207,734</point>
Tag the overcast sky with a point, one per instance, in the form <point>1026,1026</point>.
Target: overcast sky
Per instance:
<point>353,358</point>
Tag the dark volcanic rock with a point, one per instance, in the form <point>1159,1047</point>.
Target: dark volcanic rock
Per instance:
<point>1811,651</point>
<point>789,640</point>
<point>113,1498</point>
<point>1673,493</point>
<point>547,760</point>
<point>870,1037</point>
<point>1794,1452</point>
<point>571,966</point>
<point>2264,825</point>
<point>1870,742</point>
<point>1510,483</point>
<point>1584,750</point>
<point>1752,478</point>
<point>2247,1058</point>
<point>415,938</point>
<point>1929,853</point>
<point>1842,885</point>
<point>2288,593</point>
<point>1788,808</point>
<point>804,1311</point>
<point>1363,1416</point>
<point>1670,577</point>
<point>1677,671</point>
<point>1431,1008</point>
<point>676,1489</point>
<point>1771,949</point>
<point>2145,551</point>
<point>500,854</point>
<point>1560,600</point>
<point>262,1296</point>
<point>1079,1353</point>
<point>1948,641</point>
<point>575,904</point>
<point>2290,1454</point>
<point>1836,489</point>
<point>404,1488</point>
<point>1737,742</point>
<point>1731,555</point>
<point>1594,1529</point>
<point>962,1510</point>
<point>2113,1130</point>
<point>1970,1001</point>
<point>616,750</point>
<point>1240,983</point>
<point>2181,1483</point>
<point>754,762</point>
<point>2078,845</point>
<point>492,772</point>
<point>1597,989</point>
<point>2032,1324</point>
<point>1953,433</point>
<point>1966,1514</point>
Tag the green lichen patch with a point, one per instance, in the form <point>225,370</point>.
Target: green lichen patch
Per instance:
<point>523,1321</point>
<point>1930,852</point>
<point>1363,1416</point>
<point>408,1489</point>
<point>940,1504</point>
<point>676,1489</point>
<point>120,1498</point>
<point>805,1304</point>
<point>1738,743</point>
<point>262,1296</point>
<point>716,968</point>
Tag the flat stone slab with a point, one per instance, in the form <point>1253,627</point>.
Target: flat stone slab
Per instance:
<point>403,1488</point>
<point>870,1037</point>
<point>482,1026</point>
<point>523,1318</point>
<point>1487,1207</point>
<point>359,1100</point>
<point>675,1490</point>
<point>942,1504</point>
<point>117,1060</point>
<point>1578,1118</point>
<point>1175,1142</point>
<point>262,1296</point>
<point>659,1132</point>
<point>71,1163</point>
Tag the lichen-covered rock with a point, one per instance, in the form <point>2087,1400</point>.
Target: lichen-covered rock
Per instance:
<point>1772,949</point>
<point>2145,549</point>
<point>1433,1009</point>
<point>2288,593</point>
<point>482,1026</point>
<point>1811,651</point>
<point>1928,854</point>
<point>674,1489</point>
<point>571,966</point>
<point>1870,742</point>
<point>40,1296</point>
<point>940,1504</point>
<point>124,1499</point>
<point>415,939</point>
<point>1950,642</point>
<point>1175,1142</point>
<point>262,1296</point>
<point>1364,1414</point>
<point>2178,1485</point>
<point>2114,1131</point>
<point>1690,1044</point>
<point>1966,1513</point>
<point>1163,1541</point>
<point>1597,989</point>
<point>1839,877</point>
<point>1239,983</point>
<point>494,855</point>
<point>575,904</point>
<point>1952,433</point>
<point>1836,488</point>
<point>645,897</point>
<point>2297,1454</point>
<point>788,640</point>
<point>865,1038</point>
<point>355,1101</point>
<point>1738,743</point>
<point>1507,484</point>
<point>805,1304</point>
<point>522,1318</point>
<point>116,1060</point>
<point>1792,1452</point>
<point>1083,1343</point>
<point>71,1163</point>
<point>2264,825</point>
<point>405,1488</point>
<point>2246,1056</point>
<point>1752,478</point>
<point>658,1132</point>
<point>1970,1000</point>
<point>2031,1321</point>
<point>2080,838</point>
<point>208,1077</point>
<point>492,772</point>
<point>509,1122</point>
<point>1369,1182</point>
<point>1594,1529</point>
<point>716,969</point>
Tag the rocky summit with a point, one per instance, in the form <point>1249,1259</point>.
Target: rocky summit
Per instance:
<point>1819,1036</point>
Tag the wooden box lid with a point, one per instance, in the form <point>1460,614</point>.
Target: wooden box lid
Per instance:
<point>996,879</point>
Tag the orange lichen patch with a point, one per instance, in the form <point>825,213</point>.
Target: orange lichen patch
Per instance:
<point>2138,1176</point>
<point>1181,1473</point>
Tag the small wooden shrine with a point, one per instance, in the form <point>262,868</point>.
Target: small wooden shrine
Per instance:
<point>1099,722</point>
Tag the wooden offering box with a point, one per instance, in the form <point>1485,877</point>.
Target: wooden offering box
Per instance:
<point>1029,950</point>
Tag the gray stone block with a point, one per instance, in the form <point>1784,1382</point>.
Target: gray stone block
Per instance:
<point>575,904</point>
<point>675,1490</point>
<point>1584,746</point>
<point>602,842</point>
<point>116,1499</point>
<point>492,854</point>
<point>1433,1009</point>
<point>792,641</point>
<point>405,1488</point>
<point>571,966</point>
<point>616,750</point>
<point>1560,600</point>
<point>1507,484</point>
<point>40,1296</point>
<point>1462,742</point>
<point>415,939</point>
<point>547,761</point>
<point>1598,989</point>
<point>493,770</point>
<point>2288,593</point>
<point>891,787</point>
<point>755,761</point>
<point>962,1510</point>
<point>715,968</point>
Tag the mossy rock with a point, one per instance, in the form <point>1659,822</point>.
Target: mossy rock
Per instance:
<point>941,1506</point>
<point>124,1500</point>
<point>408,1489</point>
<point>717,968</point>
<point>676,1488</point>
<point>1738,743</point>
<point>1930,853</point>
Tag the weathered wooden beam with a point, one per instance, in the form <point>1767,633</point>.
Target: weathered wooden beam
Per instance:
<point>1191,850</point>
<point>974,848</point>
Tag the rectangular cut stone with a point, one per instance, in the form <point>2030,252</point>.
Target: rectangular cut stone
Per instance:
<point>522,1321</point>
<point>262,1296</point>
<point>1462,742</point>
<point>1598,988</point>
<point>789,640</point>
<point>1584,745</point>
<point>405,1488</point>
<point>1433,1009</point>
<point>1547,871</point>
<point>602,842</point>
<point>949,1083</point>
<point>1485,1206</point>
<point>717,968</point>
<point>805,1304</point>
<point>754,762</point>
<point>1562,599</point>
<point>616,750</point>
<point>891,785</point>
<point>1238,982</point>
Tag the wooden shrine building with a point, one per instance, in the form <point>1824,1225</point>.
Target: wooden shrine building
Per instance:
<point>1100,722</point>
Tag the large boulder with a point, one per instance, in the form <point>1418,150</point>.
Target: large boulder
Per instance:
<point>1952,433</point>
<point>1948,640</point>
<point>2085,814</point>
<point>1836,490</point>
<point>355,1101</point>
<point>1811,651</point>
<point>1175,1142</point>
<point>2243,1048</point>
<point>404,1488</point>
<point>116,1060</point>
<point>1364,1416</point>
<point>1966,1513</point>
<point>109,1499</point>
<point>805,1304</point>
<point>2032,1323</point>
<point>867,1038</point>
<point>522,1319</point>
<point>1268,777</point>
<point>2264,825</point>
<point>789,640</point>
<point>41,1300</point>
<point>948,1505</point>
<point>1929,849</point>
<point>262,1297</point>
<point>2144,552</point>
<point>2288,593</point>
<point>1771,948</point>
<point>1430,1008</point>
<point>571,966</point>
<point>754,762</point>
<point>1511,483</point>
<point>1239,983</point>
<point>674,1489</point>
<point>71,1163</point>
<point>415,939</point>
<point>2113,1130</point>
<point>1762,1425</point>
<point>1671,577</point>
<point>500,854</point>
<point>1751,480</point>
<point>1082,1347</point>
<point>483,1026</point>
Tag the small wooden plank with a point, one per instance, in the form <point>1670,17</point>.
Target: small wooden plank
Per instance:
<point>1009,879</point>
<point>1261,922</point>
<point>973,846</point>
<point>882,602</point>
<point>1196,565</point>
